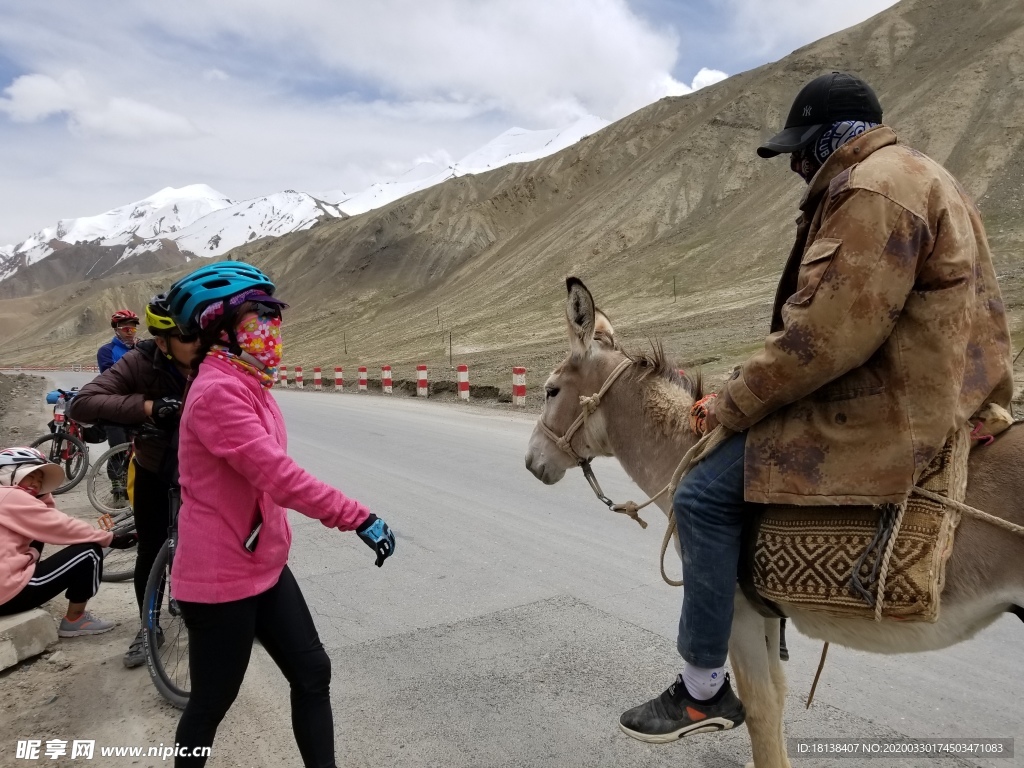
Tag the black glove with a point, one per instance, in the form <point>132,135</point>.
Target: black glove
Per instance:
<point>124,540</point>
<point>166,412</point>
<point>378,537</point>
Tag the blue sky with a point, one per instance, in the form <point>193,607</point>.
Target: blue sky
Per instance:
<point>107,101</point>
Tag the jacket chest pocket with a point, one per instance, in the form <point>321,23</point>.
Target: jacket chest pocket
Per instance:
<point>813,266</point>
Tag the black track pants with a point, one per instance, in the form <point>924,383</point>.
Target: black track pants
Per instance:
<point>74,570</point>
<point>220,637</point>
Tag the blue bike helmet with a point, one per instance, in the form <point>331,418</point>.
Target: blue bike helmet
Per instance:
<point>188,297</point>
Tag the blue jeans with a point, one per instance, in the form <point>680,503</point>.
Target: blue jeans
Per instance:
<point>710,513</point>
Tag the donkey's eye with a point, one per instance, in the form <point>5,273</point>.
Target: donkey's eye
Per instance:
<point>551,391</point>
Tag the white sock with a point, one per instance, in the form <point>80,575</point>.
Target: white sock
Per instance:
<point>702,683</point>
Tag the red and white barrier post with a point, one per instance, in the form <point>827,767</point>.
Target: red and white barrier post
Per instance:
<point>518,386</point>
<point>317,381</point>
<point>362,378</point>
<point>298,376</point>
<point>339,378</point>
<point>422,388</point>
<point>385,379</point>
<point>284,376</point>
<point>464,382</point>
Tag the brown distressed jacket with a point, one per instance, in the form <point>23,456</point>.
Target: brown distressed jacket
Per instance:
<point>888,333</point>
<point>119,394</point>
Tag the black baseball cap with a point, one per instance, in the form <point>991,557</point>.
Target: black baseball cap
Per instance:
<point>825,100</point>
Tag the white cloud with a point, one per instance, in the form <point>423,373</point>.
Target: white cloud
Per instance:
<point>707,77</point>
<point>669,86</point>
<point>35,97</point>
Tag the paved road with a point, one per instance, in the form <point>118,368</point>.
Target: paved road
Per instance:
<point>516,621</point>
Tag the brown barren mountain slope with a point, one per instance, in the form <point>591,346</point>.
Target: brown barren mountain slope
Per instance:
<point>673,193</point>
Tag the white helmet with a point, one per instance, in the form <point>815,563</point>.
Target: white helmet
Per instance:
<point>17,463</point>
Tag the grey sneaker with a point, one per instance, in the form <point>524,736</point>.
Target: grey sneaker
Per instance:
<point>675,714</point>
<point>86,624</point>
<point>135,656</point>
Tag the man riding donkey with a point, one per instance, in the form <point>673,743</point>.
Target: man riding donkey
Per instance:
<point>889,305</point>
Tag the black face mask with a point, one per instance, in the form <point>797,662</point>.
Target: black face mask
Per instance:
<point>805,163</point>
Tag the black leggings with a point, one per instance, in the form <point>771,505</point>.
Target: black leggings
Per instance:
<point>76,568</point>
<point>220,637</point>
<point>151,521</point>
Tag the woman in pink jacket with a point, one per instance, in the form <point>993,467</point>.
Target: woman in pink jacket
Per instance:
<point>28,520</point>
<point>230,574</point>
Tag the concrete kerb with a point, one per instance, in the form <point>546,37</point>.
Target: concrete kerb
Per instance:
<point>24,635</point>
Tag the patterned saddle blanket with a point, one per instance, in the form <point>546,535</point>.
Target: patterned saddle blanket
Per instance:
<point>830,559</point>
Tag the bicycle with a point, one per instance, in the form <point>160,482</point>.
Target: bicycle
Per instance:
<point>67,446</point>
<point>107,480</point>
<point>118,564</point>
<point>164,635</point>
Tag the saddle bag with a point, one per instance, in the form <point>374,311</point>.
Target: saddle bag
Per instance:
<point>831,559</point>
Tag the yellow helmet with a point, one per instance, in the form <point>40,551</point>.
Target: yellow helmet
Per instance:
<point>158,316</point>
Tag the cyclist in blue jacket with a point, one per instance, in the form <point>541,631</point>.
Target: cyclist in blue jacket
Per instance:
<point>125,324</point>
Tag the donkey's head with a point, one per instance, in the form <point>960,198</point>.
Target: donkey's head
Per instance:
<point>593,355</point>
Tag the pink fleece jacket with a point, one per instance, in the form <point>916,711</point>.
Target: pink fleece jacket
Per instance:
<point>235,469</point>
<point>24,519</point>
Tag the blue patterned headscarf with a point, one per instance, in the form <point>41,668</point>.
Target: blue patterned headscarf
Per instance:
<point>838,134</point>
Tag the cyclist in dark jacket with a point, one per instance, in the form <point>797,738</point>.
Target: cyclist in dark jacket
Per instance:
<point>145,386</point>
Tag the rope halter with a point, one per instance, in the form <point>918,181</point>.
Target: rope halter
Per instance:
<point>588,406</point>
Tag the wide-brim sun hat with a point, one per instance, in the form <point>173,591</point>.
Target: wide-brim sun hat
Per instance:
<point>825,100</point>
<point>18,463</point>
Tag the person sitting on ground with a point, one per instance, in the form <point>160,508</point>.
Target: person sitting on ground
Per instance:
<point>28,520</point>
<point>145,386</point>
<point>230,575</point>
<point>125,324</point>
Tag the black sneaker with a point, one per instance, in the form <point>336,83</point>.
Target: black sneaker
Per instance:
<point>676,714</point>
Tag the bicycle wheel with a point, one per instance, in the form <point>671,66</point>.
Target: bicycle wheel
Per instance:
<point>165,637</point>
<point>70,453</point>
<point>107,481</point>
<point>119,564</point>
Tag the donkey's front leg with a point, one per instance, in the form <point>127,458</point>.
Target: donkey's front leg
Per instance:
<point>750,664</point>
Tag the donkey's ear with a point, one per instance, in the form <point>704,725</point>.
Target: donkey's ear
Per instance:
<point>580,314</point>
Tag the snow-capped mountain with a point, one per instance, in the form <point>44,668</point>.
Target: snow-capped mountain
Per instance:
<point>273,215</point>
<point>515,145</point>
<point>200,220</point>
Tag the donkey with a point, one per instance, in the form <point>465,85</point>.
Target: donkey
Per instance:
<point>643,420</point>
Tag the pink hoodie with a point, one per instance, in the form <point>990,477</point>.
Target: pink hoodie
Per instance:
<point>235,468</point>
<point>24,519</point>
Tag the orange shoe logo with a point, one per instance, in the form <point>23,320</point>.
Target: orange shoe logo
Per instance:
<point>695,714</point>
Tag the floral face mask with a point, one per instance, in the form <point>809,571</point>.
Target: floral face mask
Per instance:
<point>260,336</point>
